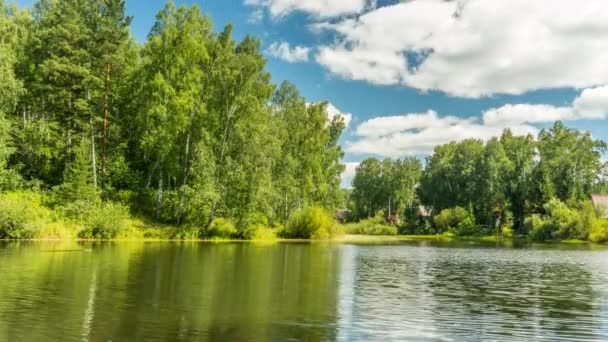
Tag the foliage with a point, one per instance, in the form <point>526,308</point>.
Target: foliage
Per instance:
<point>221,228</point>
<point>599,231</point>
<point>188,129</point>
<point>563,222</point>
<point>22,215</point>
<point>380,184</point>
<point>106,222</point>
<point>376,225</point>
<point>457,220</point>
<point>310,223</point>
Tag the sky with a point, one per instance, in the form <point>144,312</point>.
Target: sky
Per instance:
<point>409,75</point>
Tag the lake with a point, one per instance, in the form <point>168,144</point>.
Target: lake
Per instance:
<point>408,291</point>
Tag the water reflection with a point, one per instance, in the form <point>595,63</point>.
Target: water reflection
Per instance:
<point>300,292</point>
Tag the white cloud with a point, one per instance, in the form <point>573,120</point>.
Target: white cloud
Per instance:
<point>319,8</point>
<point>419,133</point>
<point>474,48</point>
<point>285,52</point>
<point>333,111</point>
<point>349,174</point>
<point>527,113</point>
<point>593,103</point>
<point>256,16</point>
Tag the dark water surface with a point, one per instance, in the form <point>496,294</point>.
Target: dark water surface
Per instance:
<point>300,292</point>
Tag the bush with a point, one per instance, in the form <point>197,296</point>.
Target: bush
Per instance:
<point>183,233</point>
<point>220,228</point>
<point>22,215</point>
<point>249,225</point>
<point>507,231</point>
<point>107,221</point>
<point>466,227</point>
<point>372,226</point>
<point>538,230</point>
<point>78,211</point>
<point>310,223</point>
<point>455,220</point>
<point>599,231</point>
<point>563,222</point>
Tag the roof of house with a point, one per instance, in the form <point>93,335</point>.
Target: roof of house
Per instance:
<point>600,201</point>
<point>424,211</point>
<point>342,214</point>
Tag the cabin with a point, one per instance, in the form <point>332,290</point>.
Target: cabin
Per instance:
<point>393,218</point>
<point>600,202</point>
<point>342,215</point>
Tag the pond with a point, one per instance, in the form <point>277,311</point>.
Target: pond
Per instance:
<point>412,291</point>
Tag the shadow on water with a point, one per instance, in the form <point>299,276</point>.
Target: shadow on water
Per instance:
<point>413,290</point>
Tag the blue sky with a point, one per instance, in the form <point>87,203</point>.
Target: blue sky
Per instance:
<point>414,74</point>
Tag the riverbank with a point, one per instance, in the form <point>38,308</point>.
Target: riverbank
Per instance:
<point>269,235</point>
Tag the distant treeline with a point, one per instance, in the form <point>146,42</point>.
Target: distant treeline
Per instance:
<point>514,182</point>
<point>183,128</point>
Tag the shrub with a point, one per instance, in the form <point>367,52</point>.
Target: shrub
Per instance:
<point>78,211</point>
<point>455,220</point>
<point>183,233</point>
<point>599,231</point>
<point>466,227</point>
<point>563,222</point>
<point>507,231</point>
<point>310,223</point>
<point>106,222</point>
<point>220,228</point>
<point>372,226</point>
<point>538,229</point>
<point>249,225</point>
<point>22,215</point>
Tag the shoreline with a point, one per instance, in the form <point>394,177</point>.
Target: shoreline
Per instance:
<point>342,239</point>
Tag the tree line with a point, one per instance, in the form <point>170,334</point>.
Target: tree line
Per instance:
<point>500,182</point>
<point>184,128</point>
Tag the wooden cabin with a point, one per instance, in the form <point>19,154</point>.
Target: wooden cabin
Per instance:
<point>600,202</point>
<point>393,218</point>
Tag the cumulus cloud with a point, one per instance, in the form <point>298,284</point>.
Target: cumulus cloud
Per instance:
<point>526,113</point>
<point>349,173</point>
<point>332,111</point>
<point>593,103</point>
<point>473,48</point>
<point>291,55</point>
<point>419,133</point>
<point>319,8</point>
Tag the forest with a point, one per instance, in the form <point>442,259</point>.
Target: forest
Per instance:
<point>185,129</point>
<point>537,187</point>
<point>184,136</point>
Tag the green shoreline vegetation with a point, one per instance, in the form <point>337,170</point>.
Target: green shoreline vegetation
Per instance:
<point>185,137</point>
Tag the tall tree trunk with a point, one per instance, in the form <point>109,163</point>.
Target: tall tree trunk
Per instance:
<point>93,154</point>
<point>106,110</point>
<point>159,198</point>
<point>184,181</point>
<point>218,171</point>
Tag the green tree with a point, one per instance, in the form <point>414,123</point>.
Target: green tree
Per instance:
<point>518,174</point>
<point>569,164</point>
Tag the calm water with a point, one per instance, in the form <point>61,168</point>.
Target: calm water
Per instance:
<point>300,292</point>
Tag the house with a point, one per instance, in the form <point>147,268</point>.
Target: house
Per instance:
<point>393,218</point>
<point>600,202</point>
<point>425,212</point>
<point>342,215</point>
